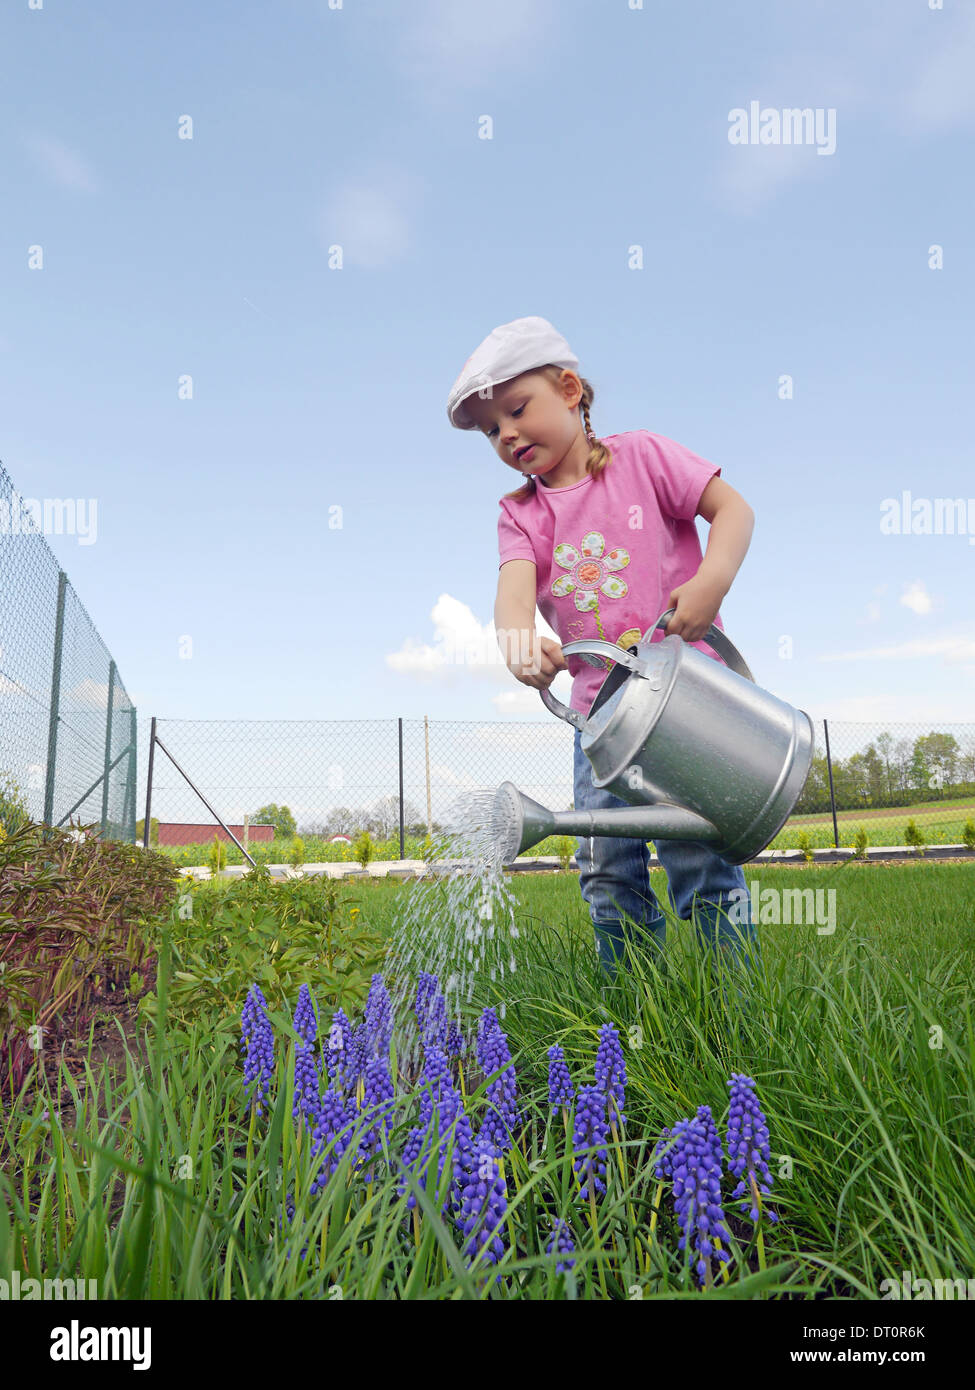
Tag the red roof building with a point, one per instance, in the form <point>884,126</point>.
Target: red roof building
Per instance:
<point>182,833</point>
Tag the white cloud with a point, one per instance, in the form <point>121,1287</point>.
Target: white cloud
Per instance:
<point>916,597</point>
<point>859,60</point>
<point>462,648</point>
<point>61,163</point>
<point>943,92</point>
<point>453,44</point>
<point>953,650</point>
<point>371,218</point>
<point>882,708</point>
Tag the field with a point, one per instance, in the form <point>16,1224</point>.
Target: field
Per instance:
<point>937,822</point>
<point>157,1181</point>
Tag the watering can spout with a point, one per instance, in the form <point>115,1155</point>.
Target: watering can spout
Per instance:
<point>518,822</point>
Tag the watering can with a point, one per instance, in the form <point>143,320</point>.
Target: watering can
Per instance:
<point>699,750</point>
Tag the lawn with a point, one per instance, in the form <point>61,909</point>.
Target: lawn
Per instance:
<point>860,1041</point>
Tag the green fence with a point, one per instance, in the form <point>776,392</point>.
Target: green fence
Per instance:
<point>67,727</point>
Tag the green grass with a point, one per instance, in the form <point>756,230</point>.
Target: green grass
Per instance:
<point>159,1186</point>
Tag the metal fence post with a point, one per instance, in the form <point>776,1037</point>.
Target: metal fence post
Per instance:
<point>147,827</point>
<point>52,728</point>
<point>108,744</point>
<point>128,817</point>
<point>402,854</point>
<point>832,798</point>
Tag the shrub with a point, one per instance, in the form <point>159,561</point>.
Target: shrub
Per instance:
<point>968,834</point>
<point>805,845</point>
<point>913,836</point>
<point>363,848</point>
<point>13,807</point>
<point>296,854</point>
<point>860,843</point>
<point>565,847</point>
<point>218,856</point>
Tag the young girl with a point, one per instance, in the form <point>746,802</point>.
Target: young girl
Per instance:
<point>601,536</point>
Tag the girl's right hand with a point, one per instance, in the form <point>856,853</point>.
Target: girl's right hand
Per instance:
<point>543,662</point>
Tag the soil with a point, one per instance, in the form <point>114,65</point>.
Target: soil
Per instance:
<point>66,1040</point>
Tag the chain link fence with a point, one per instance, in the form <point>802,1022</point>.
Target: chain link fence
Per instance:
<point>67,727</point>
<point>402,779</point>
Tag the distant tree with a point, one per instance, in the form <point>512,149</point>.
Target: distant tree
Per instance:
<point>140,826</point>
<point>278,816</point>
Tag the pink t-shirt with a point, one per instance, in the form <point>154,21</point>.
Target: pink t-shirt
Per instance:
<point>609,550</point>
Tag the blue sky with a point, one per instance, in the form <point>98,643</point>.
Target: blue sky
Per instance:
<point>317,387</point>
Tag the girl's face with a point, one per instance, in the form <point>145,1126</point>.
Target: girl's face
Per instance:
<point>531,421</point>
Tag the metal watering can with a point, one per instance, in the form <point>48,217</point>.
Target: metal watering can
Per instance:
<point>700,750</point>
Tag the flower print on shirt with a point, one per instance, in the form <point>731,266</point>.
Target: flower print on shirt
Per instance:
<point>590,571</point>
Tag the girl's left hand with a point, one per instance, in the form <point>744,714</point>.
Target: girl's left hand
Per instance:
<point>697,603</point>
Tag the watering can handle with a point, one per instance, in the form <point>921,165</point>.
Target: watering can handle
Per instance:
<point>596,646</point>
<point>715,639</point>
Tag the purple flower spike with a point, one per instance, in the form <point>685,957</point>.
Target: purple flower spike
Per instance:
<point>748,1146</point>
<point>431,1010</point>
<point>306,1069</point>
<point>561,1241</point>
<point>441,1109</point>
<point>611,1070</point>
<point>337,1047</point>
<point>356,1063</point>
<point>335,1115</point>
<point>663,1157</point>
<point>696,1169</point>
<point>561,1092</point>
<point>455,1040</point>
<point>589,1140</point>
<point>483,1206</point>
<point>377,1103</point>
<point>306,1022</point>
<point>494,1055</point>
<point>379,1019</point>
<point>257,1039</point>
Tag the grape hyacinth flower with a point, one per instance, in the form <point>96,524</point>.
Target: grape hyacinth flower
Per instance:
<point>696,1168</point>
<point>663,1157</point>
<point>748,1147</point>
<point>377,1104</point>
<point>561,1241</point>
<point>589,1140</point>
<point>356,1063</point>
<point>337,1048</point>
<point>455,1040</point>
<point>611,1070</point>
<point>493,1054</point>
<point>335,1115</point>
<point>431,1010</point>
<point>257,1037</point>
<point>306,1069</point>
<point>441,1110</point>
<point>561,1092</point>
<point>483,1207</point>
<point>306,1021</point>
<point>379,1019</point>
<point>711,1131</point>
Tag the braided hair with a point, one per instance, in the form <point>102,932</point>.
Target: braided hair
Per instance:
<point>599,455</point>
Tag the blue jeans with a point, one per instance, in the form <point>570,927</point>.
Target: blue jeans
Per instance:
<point>614,881</point>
